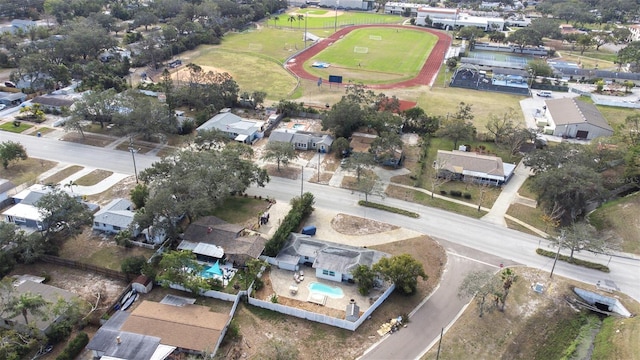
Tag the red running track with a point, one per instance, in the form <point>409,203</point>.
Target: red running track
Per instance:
<point>425,77</point>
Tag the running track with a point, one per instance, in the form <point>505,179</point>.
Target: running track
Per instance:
<point>425,77</point>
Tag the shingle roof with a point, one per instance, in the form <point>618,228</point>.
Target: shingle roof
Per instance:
<point>116,213</point>
<point>281,135</point>
<point>567,111</point>
<point>191,327</point>
<point>52,101</point>
<point>458,161</point>
<point>229,122</point>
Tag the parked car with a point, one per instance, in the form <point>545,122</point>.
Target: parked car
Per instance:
<point>2,106</point>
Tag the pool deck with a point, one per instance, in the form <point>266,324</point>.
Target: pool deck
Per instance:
<point>282,279</point>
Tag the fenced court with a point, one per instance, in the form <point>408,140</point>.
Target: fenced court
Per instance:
<point>497,56</point>
<point>360,50</point>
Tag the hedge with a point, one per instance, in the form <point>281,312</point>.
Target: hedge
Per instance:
<point>579,262</point>
<point>74,347</point>
<point>301,207</point>
<point>388,208</point>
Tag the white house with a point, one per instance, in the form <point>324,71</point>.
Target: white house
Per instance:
<point>572,118</point>
<point>114,217</point>
<point>235,127</point>
<point>471,166</point>
<point>303,140</point>
<point>331,261</point>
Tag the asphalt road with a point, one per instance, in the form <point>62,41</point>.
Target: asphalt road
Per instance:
<point>493,244</point>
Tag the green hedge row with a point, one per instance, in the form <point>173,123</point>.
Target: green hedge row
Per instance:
<point>388,208</point>
<point>301,207</point>
<point>565,258</point>
<point>74,347</point>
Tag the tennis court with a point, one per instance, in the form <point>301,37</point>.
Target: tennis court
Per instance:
<point>498,56</point>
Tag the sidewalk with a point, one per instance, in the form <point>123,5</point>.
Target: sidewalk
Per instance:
<point>507,195</point>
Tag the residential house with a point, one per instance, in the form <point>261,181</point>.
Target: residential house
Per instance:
<point>18,25</point>
<point>33,285</point>
<point>12,98</point>
<point>303,140</point>
<point>635,32</point>
<point>25,212</point>
<point>53,102</point>
<point>331,261</point>
<point>5,187</point>
<point>235,127</point>
<point>567,29</point>
<point>156,330</point>
<point>211,239</point>
<point>572,118</point>
<point>114,217</point>
<point>471,166</point>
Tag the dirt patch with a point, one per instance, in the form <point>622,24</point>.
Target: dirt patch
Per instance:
<point>88,139</point>
<point>287,172</point>
<point>183,75</point>
<point>354,225</point>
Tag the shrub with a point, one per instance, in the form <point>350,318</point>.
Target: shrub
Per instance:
<point>388,208</point>
<point>467,196</point>
<point>579,262</point>
<point>443,192</point>
<point>58,332</point>
<point>301,207</point>
<point>75,347</point>
<point>455,193</point>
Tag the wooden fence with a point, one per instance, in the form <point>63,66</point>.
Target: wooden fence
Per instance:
<point>117,275</point>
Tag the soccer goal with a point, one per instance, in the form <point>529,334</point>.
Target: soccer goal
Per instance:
<point>375,37</point>
<point>360,49</point>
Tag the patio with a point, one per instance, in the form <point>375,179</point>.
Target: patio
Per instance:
<point>281,280</point>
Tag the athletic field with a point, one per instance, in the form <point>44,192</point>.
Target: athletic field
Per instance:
<point>375,55</point>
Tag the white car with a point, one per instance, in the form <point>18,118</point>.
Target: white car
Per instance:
<point>2,106</point>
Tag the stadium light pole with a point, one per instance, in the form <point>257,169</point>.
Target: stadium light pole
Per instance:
<point>335,24</point>
<point>305,31</point>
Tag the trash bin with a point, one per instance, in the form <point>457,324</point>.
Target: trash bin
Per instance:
<point>309,230</point>
<point>39,134</point>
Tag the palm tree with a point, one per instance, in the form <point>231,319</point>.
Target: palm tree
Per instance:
<point>291,19</point>
<point>300,18</point>
<point>27,303</point>
<point>275,21</point>
<point>70,185</point>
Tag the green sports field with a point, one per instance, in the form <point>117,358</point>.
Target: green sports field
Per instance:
<point>375,55</point>
<point>316,18</point>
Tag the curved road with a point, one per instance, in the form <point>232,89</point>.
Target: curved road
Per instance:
<point>463,237</point>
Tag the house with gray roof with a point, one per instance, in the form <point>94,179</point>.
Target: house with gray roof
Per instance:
<point>52,102</point>
<point>51,294</point>
<point>12,98</point>
<point>235,127</point>
<point>303,140</point>
<point>115,216</point>
<point>474,167</point>
<point>331,261</point>
<point>572,118</point>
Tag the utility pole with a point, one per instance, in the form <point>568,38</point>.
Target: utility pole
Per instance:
<point>318,167</point>
<point>561,238</point>
<point>133,155</point>
<point>439,343</point>
<point>305,31</point>
<point>302,181</point>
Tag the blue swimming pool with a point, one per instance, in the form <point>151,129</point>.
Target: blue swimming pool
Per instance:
<point>299,126</point>
<point>331,291</point>
<point>211,271</point>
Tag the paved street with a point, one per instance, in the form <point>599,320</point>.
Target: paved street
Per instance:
<point>466,240</point>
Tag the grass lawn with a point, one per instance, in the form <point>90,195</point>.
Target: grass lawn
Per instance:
<point>62,174</point>
<point>385,55</point>
<point>9,126</point>
<point>93,177</point>
<point>238,210</point>
<point>443,101</point>
<point>531,216</point>
<point>621,217</point>
<point>42,131</point>
<point>323,21</point>
<point>26,171</point>
<point>111,257</point>
<point>419,197</point>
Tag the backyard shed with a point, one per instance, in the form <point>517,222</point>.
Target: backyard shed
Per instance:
<point>142,284</point>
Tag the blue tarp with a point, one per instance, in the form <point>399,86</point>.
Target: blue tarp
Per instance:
<point>309,230</point>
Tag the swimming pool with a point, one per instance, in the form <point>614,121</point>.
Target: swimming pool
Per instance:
<point>211,271</point>
<point>333,292</point>
<point>298,126</point>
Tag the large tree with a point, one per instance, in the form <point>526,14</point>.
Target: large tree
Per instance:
<point>402,270</point>
<point>11,151</point>
<point>359,162</point>
<point>570,187</point>
<point>181,268</point>
<point>479,284</point>
<point>458,126</point>
<point>630,54</point>
<point>369,184</point>
<point>280,152</point>
<point>144,116</point>
<point>27,304</point>
<point>416,120</point>
<point>94,106</point>
<point>60,210</point>
<point>580,236</point>
<point>525,37</point>
<point>344,118</point>
<point>193,183</point>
